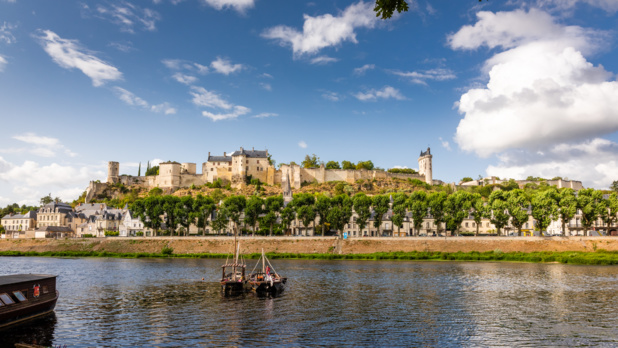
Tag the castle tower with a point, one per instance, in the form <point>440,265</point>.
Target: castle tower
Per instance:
<point>424,166</point>
<point>112,172</point>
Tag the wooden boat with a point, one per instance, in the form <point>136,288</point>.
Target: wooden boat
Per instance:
<point>233,278</point>
<point>266,280</point>
<point>26,296</point>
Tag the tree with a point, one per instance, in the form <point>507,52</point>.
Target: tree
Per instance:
<point>203,207</point>
<point>457,208</point>
<point>273,206</point>
<point>340,213</point>
<point>348,165</point>
<point>608,211</point>
<point>467,179</point>
<point>152,171</point>
<point>517,203</point>
<point>362,207</point>
<point>184,212</point>
<point>253,210</point>
<point>380,207</point>
<point>139,169</point>
<point>614,186</point>
<point>417,205</point>
<point>368,165</point>
<point>306,214</point>
<point>46,200</point>
<point>153,210</point>
<point>478,210</point>
<point>588,202</point>
<point>544,208</point>
<point>436,208</point>
<point>312,161</point>
<point>287,216</point>
<point>221,220</point>
<point>498,210</point>
<point>566,206</point>
<point>322,205</point>
<point>399,210</point>
<point>169,209</point>
<point>333,165</point>
<point>386,8</point>
<point>235,206</point>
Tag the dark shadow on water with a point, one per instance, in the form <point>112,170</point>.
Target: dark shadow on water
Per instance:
<point>38,331</point>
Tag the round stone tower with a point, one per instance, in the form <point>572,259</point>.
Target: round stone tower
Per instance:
<point>424,166</point>
<point>112,172</point>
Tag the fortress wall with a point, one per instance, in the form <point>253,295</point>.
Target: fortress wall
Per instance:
<point>340,175</point>
<point>406,176</point>
<point>312,174</point>
<point>187,180</point>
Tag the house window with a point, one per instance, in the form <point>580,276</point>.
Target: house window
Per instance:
<point>466,224</point>
<point>258,161</point>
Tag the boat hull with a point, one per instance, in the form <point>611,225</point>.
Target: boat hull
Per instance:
<point>27,311</point>
<point>266,287</point>
<point>235,287</point>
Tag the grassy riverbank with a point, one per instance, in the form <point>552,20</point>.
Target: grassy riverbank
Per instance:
<point>599,257</point>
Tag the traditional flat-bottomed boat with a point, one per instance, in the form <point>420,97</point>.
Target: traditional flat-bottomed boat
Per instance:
<point>266,280</point>
<point>26,296</point>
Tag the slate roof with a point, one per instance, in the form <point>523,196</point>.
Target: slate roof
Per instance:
<point>251,153</point>
<point>29,215</point>
<point>62,207</point>
<point>219,159</point>
<point>428,152</point>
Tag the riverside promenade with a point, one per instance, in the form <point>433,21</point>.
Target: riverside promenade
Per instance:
<point>313,245</point>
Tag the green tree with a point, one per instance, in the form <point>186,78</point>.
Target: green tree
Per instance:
<point>417,205</point>
<point>340,213</point>
<point>155,192</point>
<point>362,207</point>
<point>614,186</point>
<point>203,207</point>
<point>287,216</point>
<point>273,206</point>
<point>566,206</point>
<point>478,210</point>
<point>312,161</point>
<point>608,211</point>
<point>436,201</point>
<point>46,200</point>
<point>169,208</point>
<point>544,208</point>
<point>589,203</point>
<point>467,179</point>
<point>457,208</point>
<point>139,169</point>
<point>498,210</point>
<point>386,8</point>
<point>380,204</point>
<point>222,219</point>
<point>306,214</point>
<point>322,205</point>
<point>235,206</point>
<point>368,165</point>
<point>348,165</point>
<point>517,203</point>
<point>399,210</point>
<point>184,212</point>
<point>253,210</point>
<point>153,210</point>
<point>332,165</point>
<point>152,171</point>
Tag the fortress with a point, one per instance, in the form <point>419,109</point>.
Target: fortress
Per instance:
<point>237,166</point>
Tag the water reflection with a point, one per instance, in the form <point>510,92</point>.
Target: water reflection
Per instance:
<point>38,331</point>
<point>164,303</point>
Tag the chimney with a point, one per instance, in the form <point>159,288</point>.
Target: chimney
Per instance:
<point>241,149</point>
<point>224,154</point>
<point>252,148</point>
<point>208,154</point>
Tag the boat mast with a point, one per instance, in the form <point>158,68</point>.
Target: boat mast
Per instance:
<point>263,261</point>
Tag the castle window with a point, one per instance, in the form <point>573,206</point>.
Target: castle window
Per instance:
<point>258,161</point>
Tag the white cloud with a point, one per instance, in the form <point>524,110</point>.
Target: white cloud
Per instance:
<point>223,66</point>
<point>325,30</point>
<point>123,47</point>
<point>594,162</point>
<point>31,180</point>
<point>266,115</point>
<point>363,69</point>
<point>3,63</point>
<point>266,75</point>
<point>184,79</point>
<point>385,93</point>
<point>238,5</point>
<point>5,33</point>
<point>332,96</point>
<point>237,110</point>
<point>302,144</point>
<point>42,146</point>
<point>127,16</point>
<point>323,60</point>
<point>421,77</point>
<point>203,97</point>
<point>69,54</point>
<point>266,86</point>
<point>610,6</point>
<point>445,144</point>
<point>541,90</point>
<point>133,100</point>
<point>31,138</point>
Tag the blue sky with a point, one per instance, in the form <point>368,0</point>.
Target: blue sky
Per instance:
<point>505,88</point>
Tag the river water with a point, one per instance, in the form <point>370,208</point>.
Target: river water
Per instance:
<point>164,303</point>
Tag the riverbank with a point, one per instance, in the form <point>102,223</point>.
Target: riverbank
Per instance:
<point>579,250</point>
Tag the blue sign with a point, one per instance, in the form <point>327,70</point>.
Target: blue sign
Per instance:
<point>345,235</point>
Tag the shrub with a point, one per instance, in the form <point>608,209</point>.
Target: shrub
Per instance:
<point>112,233</point>
<point>87,235</point>
<point>167,251</point>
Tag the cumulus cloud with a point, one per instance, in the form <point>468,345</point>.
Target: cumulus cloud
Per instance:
<point>184,79</point>
<point>209,99</point>
<point>387,92</point>
<point>541,90</point>
<point>332,96</point>
<point>266,115</point>
<point>69,54</point>
<point>41,146</point>
<point>225,67</point>
<point>266,86</point>
<point>363,69</point>
<point>126,15</point>
<point>325,30</point>
<point>5,33</point>
<point>594,162</point>
<point>302,144</point>
<point>185,70</point>
<point>133,100</point>
<point>445,144</point>
<point>238,5</point>
<point>421,77</point>
<point>31,180</point>
<point>323,60</point>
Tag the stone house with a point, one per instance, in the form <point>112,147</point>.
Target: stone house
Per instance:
<point>19,225</point>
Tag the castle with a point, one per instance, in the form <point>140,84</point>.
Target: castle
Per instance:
<point>235,167</point>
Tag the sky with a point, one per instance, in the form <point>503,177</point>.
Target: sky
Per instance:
<point>502,88</point>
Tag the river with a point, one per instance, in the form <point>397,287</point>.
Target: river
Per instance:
<point>165,303</point>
